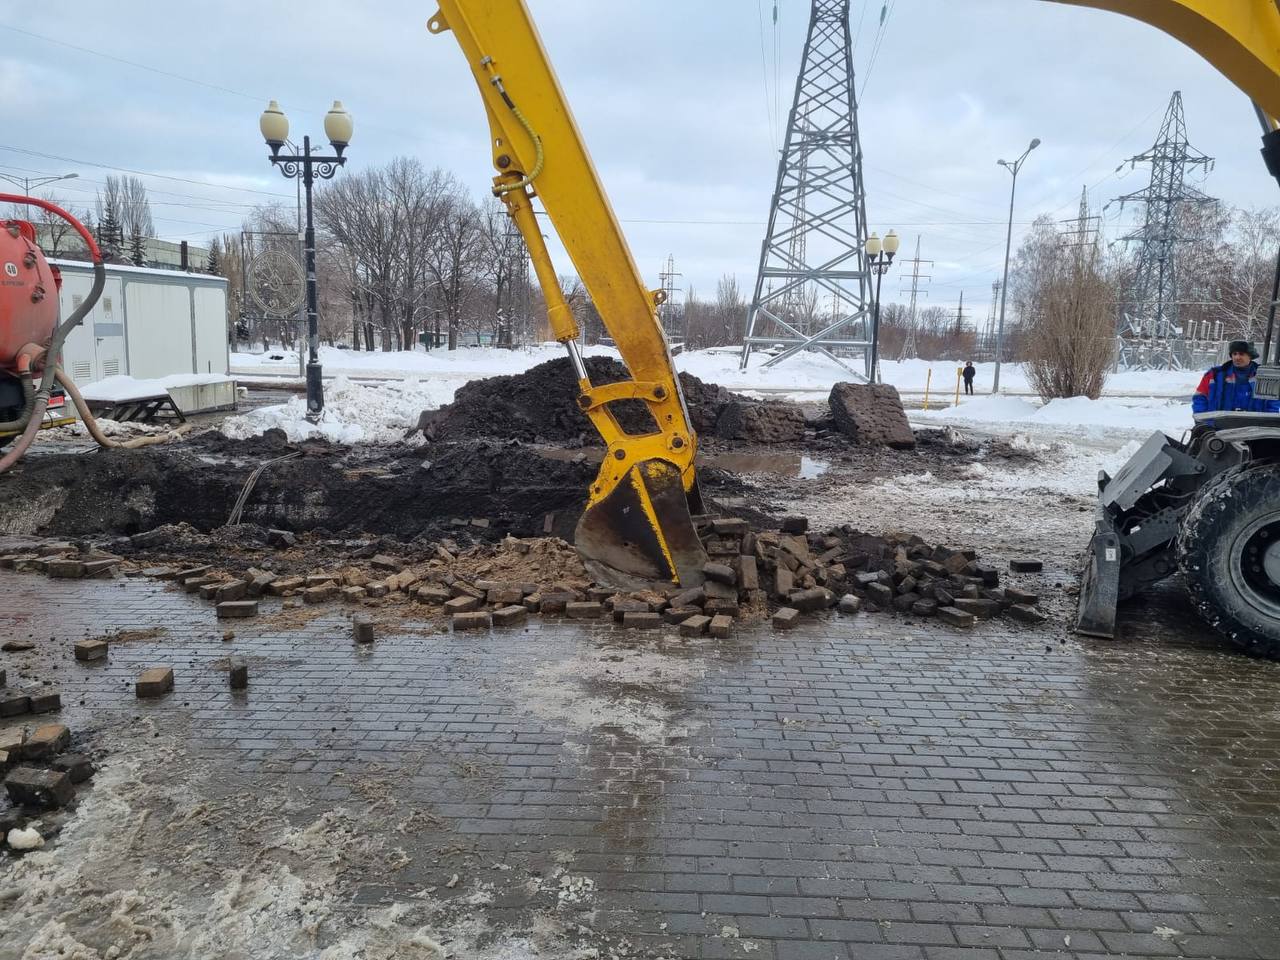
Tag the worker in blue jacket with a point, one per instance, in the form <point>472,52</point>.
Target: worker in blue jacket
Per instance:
<point>1229,386</point>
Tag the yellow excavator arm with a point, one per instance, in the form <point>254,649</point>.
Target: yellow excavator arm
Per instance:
<point>638,522</point>
<point>1241,38</point>
<point>637,526</point>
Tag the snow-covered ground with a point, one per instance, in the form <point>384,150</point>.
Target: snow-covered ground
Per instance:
<point>375,397</point>
<point>1066,416</point>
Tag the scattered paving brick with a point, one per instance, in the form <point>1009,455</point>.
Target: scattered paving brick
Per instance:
<point>1025,613</point>
<point>955,617</point>
<point>694,626</point>
<point>474,620</point>
<point>678,615</point>
<point>43,789</point>
<point>435,596</point>
<point>319,594</point>
<point>1026,566</point>
<point>65,569</point>
<point>45,740</point>
<point>286,585</point>
<point>721,626</point>
<point>584,610</point>
<point>237,609</point>
<point>99,569</point>
<point>646,620</point>
<point>45,701</point>
<point>982,609</point>
<point>794,524</point>
<point>238,675</point>
<point>353,594</point>
<point>14,702</point>
<point>786,618</point>
<point>362,628</point>
<point>77,767</point>
<point>233,590</point>
<point>1017,595</point>
<point>89,650</point>
<point>727,608</point>
<point>154,682</point>
<point>510,616</point>
<point>281,538</point>
<point>720,573</point>
<point>849,604</point>
<point>463,604</point>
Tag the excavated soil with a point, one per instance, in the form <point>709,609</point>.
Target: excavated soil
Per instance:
<point>540,406</point>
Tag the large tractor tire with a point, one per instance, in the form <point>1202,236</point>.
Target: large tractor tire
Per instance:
<point>1229,552</point>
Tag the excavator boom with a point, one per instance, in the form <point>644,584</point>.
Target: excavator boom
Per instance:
<point>637,527</point>
<point>1241,38</point>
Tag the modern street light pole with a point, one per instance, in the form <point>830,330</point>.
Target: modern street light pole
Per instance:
<point>879,256</point>
<point>26,183</point>
<point>1008,243</point>
<point>338,127</point>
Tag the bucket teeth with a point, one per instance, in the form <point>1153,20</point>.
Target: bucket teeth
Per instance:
<point>642,533</point>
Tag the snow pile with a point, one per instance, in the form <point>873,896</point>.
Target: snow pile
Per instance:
<point>1144,415</point>
<point>128,388</point>
<point>352,413</point>
<point>465,363</point>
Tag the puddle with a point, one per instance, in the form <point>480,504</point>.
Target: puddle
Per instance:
<point>777,464</point>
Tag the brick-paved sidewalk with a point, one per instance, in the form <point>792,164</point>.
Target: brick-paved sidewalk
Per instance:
<point>862,788</point>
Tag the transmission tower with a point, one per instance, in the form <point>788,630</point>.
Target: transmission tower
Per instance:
<point>812,251</point>
<point>1082,233</point>
<point>909,341</point>
<point>670,315</point>
<point>1149,332</point>
<point>989,334</point>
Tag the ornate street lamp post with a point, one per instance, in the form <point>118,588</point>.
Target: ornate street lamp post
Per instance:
<point>338,127</point>
<point>879,256</point>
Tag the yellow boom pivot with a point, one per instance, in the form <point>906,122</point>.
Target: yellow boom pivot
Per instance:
<point>637,527</point>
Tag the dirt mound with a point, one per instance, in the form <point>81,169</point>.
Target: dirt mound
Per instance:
<point>541,406</point>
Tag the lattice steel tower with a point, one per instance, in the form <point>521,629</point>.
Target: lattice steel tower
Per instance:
<point>812,250</point>
<point>1149,331</point>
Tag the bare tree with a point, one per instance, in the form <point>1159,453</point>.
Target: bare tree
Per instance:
<point>1067,295</point>
<point>453,256</point>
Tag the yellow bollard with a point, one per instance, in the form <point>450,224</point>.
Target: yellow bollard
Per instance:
<point>959,373</point>
<point>927,380</point>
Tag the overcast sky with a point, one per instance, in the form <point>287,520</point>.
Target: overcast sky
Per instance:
<point>681,103</point>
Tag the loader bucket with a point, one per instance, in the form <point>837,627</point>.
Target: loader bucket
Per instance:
<point>641,535</point>
<point>1100,587</point>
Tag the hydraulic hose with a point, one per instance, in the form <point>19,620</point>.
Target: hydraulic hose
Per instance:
<point>91,422</point>
<point>28,396</point>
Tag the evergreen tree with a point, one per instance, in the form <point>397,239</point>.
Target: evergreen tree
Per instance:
<point>110,236</point>
<point>137,251</point>
<point>214,264</point>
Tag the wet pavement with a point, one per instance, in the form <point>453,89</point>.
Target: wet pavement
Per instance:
<point>859,788</point>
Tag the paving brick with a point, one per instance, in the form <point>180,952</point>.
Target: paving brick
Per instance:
<point>14,702</point>
<point>238,675</point>
<point>955,617</point>
<point>694,626</point>
<point>721,626</point>
<point>237,609</point>
<point>474,620</point>
<point>154,682</point>
<point>463,604</point>
<point>43,789</point>
<point>584,610</point>
<point>642,621</point>
<point>512,616</point>
<point>65,569</point>
<point>786,618</point>
<point>44,700</point>
<point>362,629</point>
<point>77,767</point>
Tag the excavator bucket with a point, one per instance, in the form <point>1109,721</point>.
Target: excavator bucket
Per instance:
<point>1139,512</point>
<point>1100,586</point>
<point>642,535</point>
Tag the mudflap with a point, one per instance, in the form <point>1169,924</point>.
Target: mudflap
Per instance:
<point>1100,587</point>
<point>641,535</point>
